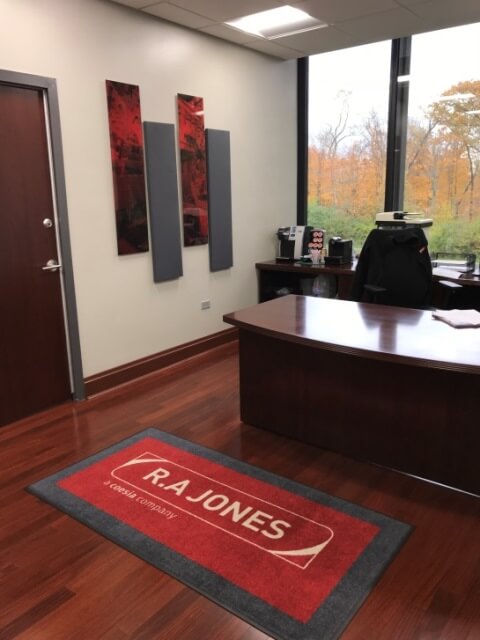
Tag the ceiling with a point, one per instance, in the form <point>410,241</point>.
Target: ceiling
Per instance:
<point>351,22</point>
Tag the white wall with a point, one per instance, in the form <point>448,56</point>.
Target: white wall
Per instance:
<point>123,314</point>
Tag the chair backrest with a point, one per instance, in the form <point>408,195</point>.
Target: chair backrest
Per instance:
<point>394,268</point>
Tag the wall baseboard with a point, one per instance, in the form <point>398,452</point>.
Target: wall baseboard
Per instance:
<point>126,373</point>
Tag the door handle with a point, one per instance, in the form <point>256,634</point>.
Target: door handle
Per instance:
<point>52,265</point>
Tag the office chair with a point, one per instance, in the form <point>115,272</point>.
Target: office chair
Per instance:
<point>394,268</point>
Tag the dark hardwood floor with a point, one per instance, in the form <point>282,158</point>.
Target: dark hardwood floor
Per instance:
<point>59,580</point>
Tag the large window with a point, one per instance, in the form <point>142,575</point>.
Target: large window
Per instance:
<point>349,97</point>
<point>347,128</point>
<point>443,143</point>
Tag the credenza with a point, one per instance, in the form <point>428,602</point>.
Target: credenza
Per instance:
<point>273,276</point>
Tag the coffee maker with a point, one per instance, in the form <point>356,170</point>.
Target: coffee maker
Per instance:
<point>340,251</point>
<point>293,242</point>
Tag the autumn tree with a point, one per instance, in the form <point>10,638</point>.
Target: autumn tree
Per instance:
<point>427,156</point>
<point>375,151</point>
<point>457,116</point>
<point>326,144</point>
<point>347,164</point>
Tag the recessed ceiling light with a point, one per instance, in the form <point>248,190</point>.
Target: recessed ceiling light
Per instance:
<point>277,23</point>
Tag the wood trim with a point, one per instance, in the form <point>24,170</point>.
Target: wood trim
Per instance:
<point>130,371</point>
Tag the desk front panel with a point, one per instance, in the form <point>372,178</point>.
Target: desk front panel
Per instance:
<point>412,419</point>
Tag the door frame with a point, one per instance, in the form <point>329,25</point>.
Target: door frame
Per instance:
<point>49,88</point>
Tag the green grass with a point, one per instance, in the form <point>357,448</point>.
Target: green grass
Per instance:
<point>452,236</point>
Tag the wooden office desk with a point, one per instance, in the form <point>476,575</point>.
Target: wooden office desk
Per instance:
<point>387,385</point>
<point>273,275</point>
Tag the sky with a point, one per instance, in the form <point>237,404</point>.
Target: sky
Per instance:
<point>439,60</point>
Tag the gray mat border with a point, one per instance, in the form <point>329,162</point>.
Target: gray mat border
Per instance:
<point>330,618</point>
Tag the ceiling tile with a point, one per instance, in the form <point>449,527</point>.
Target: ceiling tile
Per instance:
<point>227,33</point>
<point>221,10</point>
<point>277,51</point>
<point>384,26</point>
<point>318,41</point>
<point>445,13</point>
<point>332,11</point>
<point>355,22</point>
<point>175,14</point>
<point>411,3</point>
<point>136,4</point>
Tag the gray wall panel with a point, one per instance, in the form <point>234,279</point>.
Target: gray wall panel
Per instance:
<point>219,199</point>
<point>163,203</point>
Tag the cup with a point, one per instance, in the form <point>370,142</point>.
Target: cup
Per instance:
<point>315,255</point>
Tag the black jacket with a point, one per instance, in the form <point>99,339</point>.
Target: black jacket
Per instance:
<point>397,263</point>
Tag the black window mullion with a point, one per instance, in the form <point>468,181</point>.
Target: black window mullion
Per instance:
<point>302,140</point>
<point>397,124</point>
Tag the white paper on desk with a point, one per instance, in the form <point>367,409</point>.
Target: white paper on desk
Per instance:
<point>459,317</point>
<point>446,273</point>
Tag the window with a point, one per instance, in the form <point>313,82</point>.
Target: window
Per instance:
<point>348,134</point>
<point>347,126</point>
<point>443,142</point>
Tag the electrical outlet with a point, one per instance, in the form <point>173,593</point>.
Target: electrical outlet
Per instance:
<point>204,304</point>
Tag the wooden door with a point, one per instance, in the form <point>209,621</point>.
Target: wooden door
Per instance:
<point>34,369</point>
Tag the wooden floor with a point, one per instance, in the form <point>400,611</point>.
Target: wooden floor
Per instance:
<point>59,580</point>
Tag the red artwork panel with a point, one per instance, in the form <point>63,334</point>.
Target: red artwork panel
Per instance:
<point>194,170</point>
<point>126,144</point>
